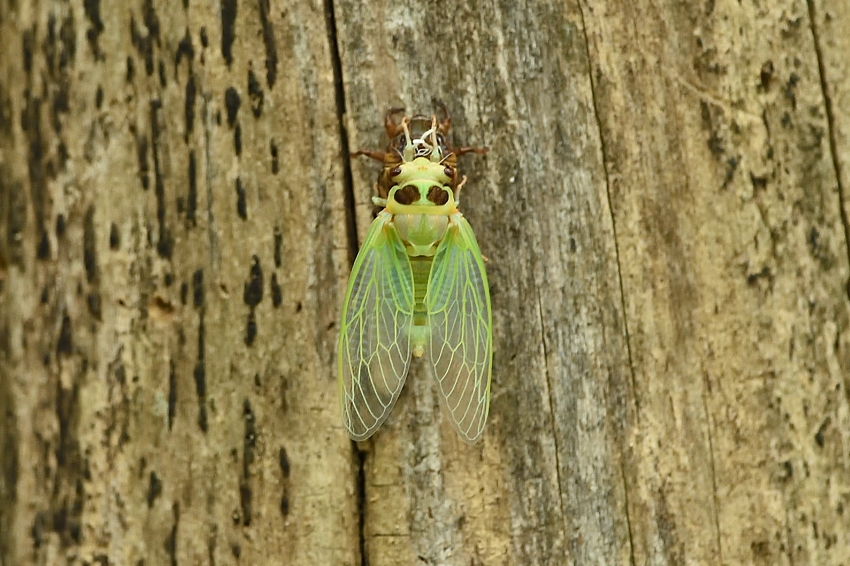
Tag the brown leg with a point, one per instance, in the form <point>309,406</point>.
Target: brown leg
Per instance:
<point>479,150</point>
<point>445,123</point>
<point>376,155</point>
<point>393,128</point>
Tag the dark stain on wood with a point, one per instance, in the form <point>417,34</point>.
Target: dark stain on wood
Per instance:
<point>269,42</point>
<point>200,369</point>
<point>6,116</point>
<point>144,41</point>
<point>66,504</point>
<point>232,103</point>
<point>92,8</point>
<point>93,303</point>
<point>198,288</point>
<point>42,251</point>
<point>165,242</point>
<point>114,237</point>
<point>275,161</point>
<point>278,246</point>
<point>189,108</point>
<point>228,29</point>
<point>9,444</point>
<point>118,421</point>
<point>253,292</point>
<point>131,70</point>
<point>163,81</point>
<point>277,294</point>
<point>142,155</point>
<point>185,49</point>
<point>255,93</point>
<point>60,225</point>
<point>16,217</point>
<point>28,48</point>
<point>170,544</point>
<point>241,205</point>
<point>250,328</point>
<point>192,197</point>
<point>65,341</point>
<point>248,457</point>
<point>283,460</point>
<point>154,488</point>
<point>172,394</point>
<point>90,247</point>
<point>200,375</point>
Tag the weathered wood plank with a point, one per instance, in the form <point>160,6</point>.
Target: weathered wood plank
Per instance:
<point>547,481</point>
<point>167,361</point>
<point>662,213</point>
<point>734,264</point>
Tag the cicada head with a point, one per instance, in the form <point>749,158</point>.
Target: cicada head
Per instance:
<point>429,138</point>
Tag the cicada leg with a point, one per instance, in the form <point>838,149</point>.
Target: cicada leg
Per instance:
<point>479,150</point>
<point>393,128</point>
<point>376,155</point>
<point>458,188</point>
<point>446,122</point>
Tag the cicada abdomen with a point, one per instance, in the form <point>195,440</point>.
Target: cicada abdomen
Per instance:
<point>417,287</point>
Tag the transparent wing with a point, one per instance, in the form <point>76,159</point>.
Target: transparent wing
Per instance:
<point>374,343</point>
<point>461,321</point>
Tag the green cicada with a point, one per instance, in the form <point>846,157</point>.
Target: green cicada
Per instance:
<point>418,285</point>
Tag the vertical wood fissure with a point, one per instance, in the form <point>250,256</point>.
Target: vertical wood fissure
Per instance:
<point>339,88</point>
<point>831,127</point>
<point>718,538</point>
<point>551,408</point>
<point>353,241</point>
<point>598,120</point>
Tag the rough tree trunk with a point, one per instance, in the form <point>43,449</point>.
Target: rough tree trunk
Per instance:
<point>665,213</point>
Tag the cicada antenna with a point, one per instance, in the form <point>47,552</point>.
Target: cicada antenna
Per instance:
<point>409,149</point>
<point>435,147</point>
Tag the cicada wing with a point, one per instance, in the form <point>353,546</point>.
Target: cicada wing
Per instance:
<point>374,343</point>
<point>461,322</point>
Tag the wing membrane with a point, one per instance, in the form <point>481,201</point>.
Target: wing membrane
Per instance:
<point>461,343</point>
<point>374,344</point>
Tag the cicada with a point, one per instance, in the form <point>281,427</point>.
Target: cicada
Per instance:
<point>418,286</point>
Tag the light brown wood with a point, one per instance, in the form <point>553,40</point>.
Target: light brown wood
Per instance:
<point>664,208</point>
<point>141,427</point>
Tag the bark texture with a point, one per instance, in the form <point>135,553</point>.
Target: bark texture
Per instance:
<point>664,209</point>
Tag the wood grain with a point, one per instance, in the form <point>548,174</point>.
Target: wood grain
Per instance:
<point>664,209</point>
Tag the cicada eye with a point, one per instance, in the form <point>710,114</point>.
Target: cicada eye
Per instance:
<point>438,195</point>
<point>449,172</point>
<point>407,195</point>
<point>395,171</point>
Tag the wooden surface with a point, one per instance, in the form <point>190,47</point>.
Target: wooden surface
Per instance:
<point>661,208</point>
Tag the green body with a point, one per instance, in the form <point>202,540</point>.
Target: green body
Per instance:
<point>418,285</point>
